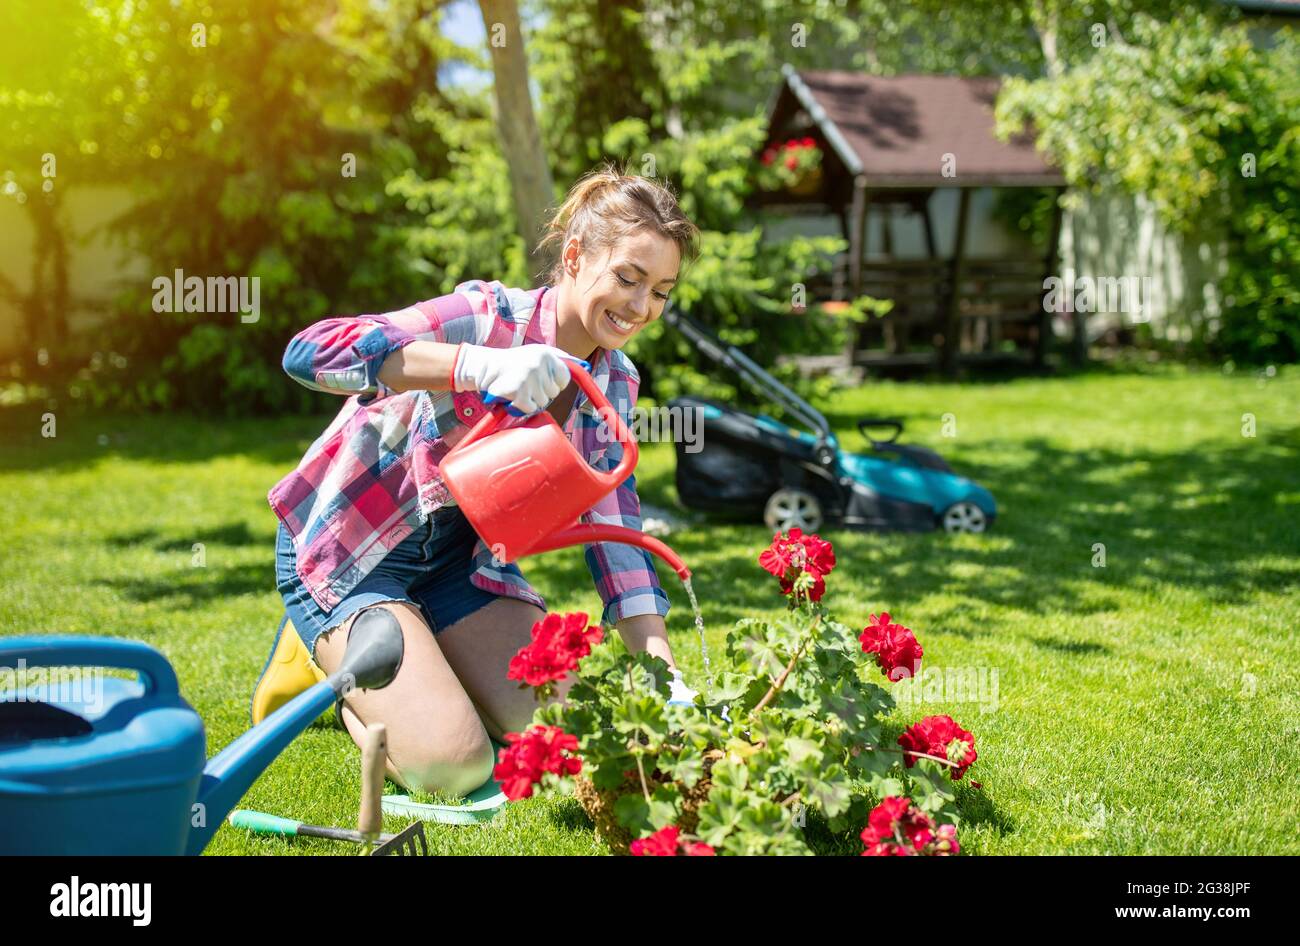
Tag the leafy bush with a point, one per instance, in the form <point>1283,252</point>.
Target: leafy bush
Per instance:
<point>1205,124</point>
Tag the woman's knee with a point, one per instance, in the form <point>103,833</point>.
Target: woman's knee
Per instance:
<point>457,766</point>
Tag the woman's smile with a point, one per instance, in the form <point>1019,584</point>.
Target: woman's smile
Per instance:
<point>622,326</point>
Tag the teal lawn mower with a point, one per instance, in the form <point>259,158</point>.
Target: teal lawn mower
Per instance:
<point>749,466</point>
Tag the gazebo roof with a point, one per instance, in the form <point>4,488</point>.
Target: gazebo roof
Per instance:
<point>895,130</point>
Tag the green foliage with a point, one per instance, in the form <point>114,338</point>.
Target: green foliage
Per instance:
<point>790,723</point>
<point>1179,115</point>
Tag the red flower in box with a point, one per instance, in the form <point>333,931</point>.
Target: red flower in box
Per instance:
<point>799,162</point>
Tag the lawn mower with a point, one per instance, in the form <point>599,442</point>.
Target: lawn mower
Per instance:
<point>751,466</point>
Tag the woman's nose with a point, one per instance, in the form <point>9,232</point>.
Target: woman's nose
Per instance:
<point>640,305</point>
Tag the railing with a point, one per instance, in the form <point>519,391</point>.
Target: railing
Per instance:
<point>999,312</point>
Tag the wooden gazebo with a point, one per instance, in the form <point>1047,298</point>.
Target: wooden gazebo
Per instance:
<point>889,143</point>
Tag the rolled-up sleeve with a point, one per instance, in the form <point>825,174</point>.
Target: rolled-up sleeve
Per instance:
<point>624,574</point>
<point>343,355</point>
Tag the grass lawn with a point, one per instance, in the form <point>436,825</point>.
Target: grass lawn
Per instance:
<point>1148,706</point>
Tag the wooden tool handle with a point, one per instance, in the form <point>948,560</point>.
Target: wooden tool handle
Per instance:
<point>374,750</point>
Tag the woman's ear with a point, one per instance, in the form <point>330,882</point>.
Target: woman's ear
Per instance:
<point>572,256</point>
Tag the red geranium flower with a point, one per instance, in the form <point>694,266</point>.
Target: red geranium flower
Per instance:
<point>898,653</point>
<point>895,828</point>
<point>792,162</point>
<point>531,755</point>
<point>808,143</point>
<point>558,643</point>
<point>794,554</point>
<point>939,736</point>
<point>666,842</point>
<point>663,843</point>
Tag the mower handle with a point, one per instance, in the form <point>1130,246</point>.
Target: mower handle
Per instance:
<point>893,422</point>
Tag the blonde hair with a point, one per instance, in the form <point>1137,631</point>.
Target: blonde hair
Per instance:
<point>606,205</point>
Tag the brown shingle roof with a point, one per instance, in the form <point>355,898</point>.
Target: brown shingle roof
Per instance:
<point>898,129</point>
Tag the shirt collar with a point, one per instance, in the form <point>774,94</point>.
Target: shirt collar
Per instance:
<point>541,329</point>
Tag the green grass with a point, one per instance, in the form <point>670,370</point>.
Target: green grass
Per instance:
<point>1149,706</point>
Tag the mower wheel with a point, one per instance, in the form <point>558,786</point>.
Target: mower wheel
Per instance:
<point>964,517</point>
<point>790,508</point>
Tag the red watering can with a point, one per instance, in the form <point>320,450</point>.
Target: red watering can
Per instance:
<point>523,488</point>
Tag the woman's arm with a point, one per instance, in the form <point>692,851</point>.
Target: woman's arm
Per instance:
<point>419,365</point>
<point>647,632</point>
<point>362,354</point>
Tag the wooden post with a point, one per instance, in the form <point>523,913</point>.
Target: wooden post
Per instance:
<point>951,323</point>
<point>857,249</point>
<point>857,233</point>
<point>1049,269</point>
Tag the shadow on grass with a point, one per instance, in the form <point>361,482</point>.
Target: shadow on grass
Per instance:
<point>86,438</point>
<point>194,586</point>
<point>1208,519</point>
<point>235,533</point>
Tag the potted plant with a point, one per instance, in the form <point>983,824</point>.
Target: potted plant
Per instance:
<point>791,728</point>
<point>794,166</point>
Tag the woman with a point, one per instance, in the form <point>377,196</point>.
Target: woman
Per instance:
<point>367,523</point>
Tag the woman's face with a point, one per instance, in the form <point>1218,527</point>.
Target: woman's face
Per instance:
<point>623,289</point>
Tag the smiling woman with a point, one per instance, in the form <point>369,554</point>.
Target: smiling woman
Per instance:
<point>367,521</point>
<point>622,242</point>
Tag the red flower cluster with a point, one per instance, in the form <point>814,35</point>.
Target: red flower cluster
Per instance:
<point>939,736</point>
<point>558,643</point>
<point>666,843</point>
<point>896,829</point>
<point>793,554</point>
<point>794,144</point>
<point>531,755</point>
<point>898,653</point>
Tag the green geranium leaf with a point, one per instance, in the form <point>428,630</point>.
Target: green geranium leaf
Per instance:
<point>633,813</point>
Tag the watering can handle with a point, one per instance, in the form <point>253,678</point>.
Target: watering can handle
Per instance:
<point>497,413</point>
<point>158,676</point>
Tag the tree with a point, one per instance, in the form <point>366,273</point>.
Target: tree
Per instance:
<point>530,176</point>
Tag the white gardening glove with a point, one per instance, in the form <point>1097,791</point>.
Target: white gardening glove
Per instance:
<point>679,693</point>
<point>527,377</point>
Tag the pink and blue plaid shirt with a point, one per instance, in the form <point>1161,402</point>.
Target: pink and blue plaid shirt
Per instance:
<point>372,477</point>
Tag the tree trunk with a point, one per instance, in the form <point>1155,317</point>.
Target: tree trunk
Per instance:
<point>1046,24</point>
<point>521,140</point>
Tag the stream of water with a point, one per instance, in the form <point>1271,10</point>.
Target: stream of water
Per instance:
<point>699,629</point>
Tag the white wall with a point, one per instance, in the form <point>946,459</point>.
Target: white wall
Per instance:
<point>97,266</point>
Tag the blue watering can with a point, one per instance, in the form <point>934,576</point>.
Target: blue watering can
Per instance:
<point>121,770</point>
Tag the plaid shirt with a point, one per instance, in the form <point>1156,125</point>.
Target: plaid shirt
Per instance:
<point>372,477</point>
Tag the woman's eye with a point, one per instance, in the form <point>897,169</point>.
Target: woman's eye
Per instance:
<point>626,282</point>
<point>663,296</point>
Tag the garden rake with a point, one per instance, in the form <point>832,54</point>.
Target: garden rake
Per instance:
<point>408,842</point>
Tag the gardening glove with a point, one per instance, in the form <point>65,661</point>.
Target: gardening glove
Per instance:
<point>679,693</point>
<point>527,377</point>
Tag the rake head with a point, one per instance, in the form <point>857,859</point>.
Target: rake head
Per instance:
<point>409,842</point>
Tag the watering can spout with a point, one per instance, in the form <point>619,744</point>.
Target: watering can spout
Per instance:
<point>372,659</point>
<point>582,534</point>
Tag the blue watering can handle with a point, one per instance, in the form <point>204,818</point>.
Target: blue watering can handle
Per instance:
<point>158,675</point>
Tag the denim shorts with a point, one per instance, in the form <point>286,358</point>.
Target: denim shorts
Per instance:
<point>429,569</point>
